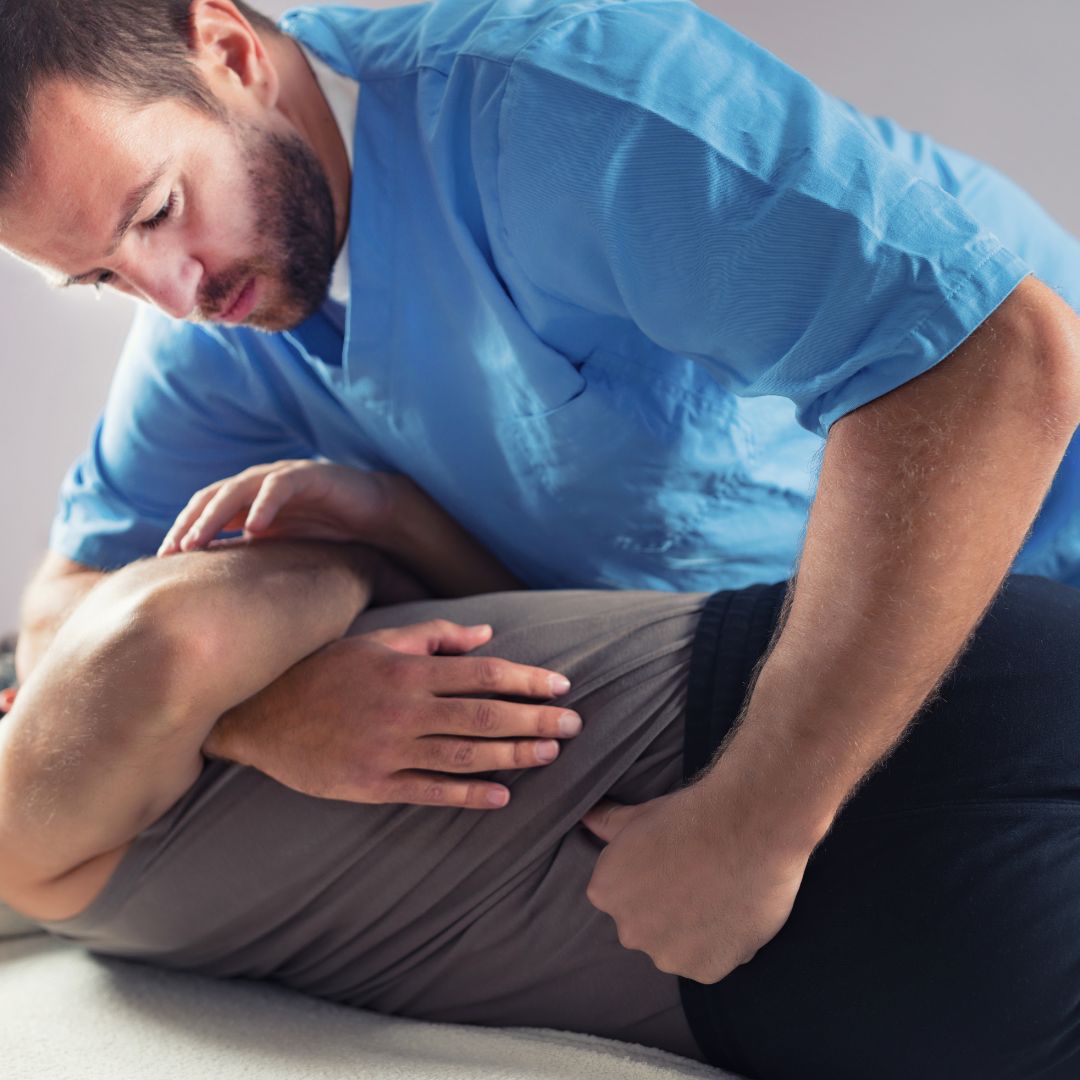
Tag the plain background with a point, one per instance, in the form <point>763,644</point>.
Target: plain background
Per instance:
<point>990,77</point>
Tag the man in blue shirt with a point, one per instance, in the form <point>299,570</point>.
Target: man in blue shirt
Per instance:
<point>614,272</point>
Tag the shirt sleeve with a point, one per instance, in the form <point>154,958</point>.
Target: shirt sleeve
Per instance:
<point>656,165</point>
<point>185,408</point>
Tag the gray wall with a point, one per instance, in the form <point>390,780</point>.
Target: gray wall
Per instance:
<point>988,76</point>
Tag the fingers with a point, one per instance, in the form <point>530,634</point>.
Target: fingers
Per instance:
<point>227,505</point>
<point>452,755</point>
<point>486,719</point>
<point>430,789</point>
<point>465,676</point>
<point>186,518</point>
<point>479,675</point>
<point>278,489</point>
<point>434,636</point>
<point>485,755</point>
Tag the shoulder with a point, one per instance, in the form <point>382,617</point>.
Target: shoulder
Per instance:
<point>189,369</point>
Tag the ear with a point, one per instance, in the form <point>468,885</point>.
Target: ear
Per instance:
<point>231,55</point>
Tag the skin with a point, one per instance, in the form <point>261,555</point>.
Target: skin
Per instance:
<point>117,714</point>
<point>62,217</point>
<point>924,498</point>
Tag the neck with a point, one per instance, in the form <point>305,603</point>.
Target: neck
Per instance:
<point>302,102</point>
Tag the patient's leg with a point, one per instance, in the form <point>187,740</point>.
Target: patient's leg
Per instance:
<point>937,932</point>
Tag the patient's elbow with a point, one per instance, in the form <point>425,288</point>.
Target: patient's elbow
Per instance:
<point>161,639</point>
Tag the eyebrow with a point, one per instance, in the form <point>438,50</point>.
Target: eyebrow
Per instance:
<point>132,205</point>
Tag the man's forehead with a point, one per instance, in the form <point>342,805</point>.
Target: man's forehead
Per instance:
<point>85,155</point>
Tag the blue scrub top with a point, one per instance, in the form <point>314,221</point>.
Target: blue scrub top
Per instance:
<point>615,270</point>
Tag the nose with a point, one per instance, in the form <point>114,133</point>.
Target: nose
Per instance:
<point>168,279</point>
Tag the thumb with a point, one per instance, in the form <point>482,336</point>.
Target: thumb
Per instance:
<point>607,818</point>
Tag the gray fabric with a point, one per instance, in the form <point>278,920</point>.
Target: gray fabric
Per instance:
<point>429,912</point>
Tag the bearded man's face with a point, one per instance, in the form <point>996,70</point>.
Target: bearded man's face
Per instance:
<point>224,218</point>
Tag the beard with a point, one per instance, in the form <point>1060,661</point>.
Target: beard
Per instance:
<point>294,221</point>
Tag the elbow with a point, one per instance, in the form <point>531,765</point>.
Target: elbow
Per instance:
<point>1051,331</point>
<point>161,636</point>
<point>180,623</point>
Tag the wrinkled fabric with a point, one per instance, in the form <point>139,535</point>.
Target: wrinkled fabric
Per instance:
<point>615,270</point>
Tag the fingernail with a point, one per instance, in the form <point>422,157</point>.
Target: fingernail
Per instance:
<point>559,684</point>
<point>547,750</point>
<point>569,723</point>
<point>497,798</point>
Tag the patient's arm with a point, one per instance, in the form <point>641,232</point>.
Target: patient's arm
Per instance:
<point>106,733</point>
<point>53,593</point>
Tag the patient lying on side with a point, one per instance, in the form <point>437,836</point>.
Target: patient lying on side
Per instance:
<point>152,807</point>
<point>121,828</point>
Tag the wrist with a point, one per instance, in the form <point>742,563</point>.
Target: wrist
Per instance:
<point>782,789</point>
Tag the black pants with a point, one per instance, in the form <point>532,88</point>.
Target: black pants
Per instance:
<point>937,930</point>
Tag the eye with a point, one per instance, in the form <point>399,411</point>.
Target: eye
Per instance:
<point>162,215</point>
<point>106,277</point>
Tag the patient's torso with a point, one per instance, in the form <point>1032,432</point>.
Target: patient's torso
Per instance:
<point>431,912</point>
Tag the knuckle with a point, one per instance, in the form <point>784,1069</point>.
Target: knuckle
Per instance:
<point>474,796</point>
<point>488,673</point>
<point>433,792</point>
<point>398,668</point>
<point>549,722</point>
<point>464,754</point>
<point>484,716</point>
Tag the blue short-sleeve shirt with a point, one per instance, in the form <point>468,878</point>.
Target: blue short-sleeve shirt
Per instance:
<point>615,270</point>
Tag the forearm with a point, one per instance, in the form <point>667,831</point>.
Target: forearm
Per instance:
<point>106,734</point>
<point>925,497</point>
<point>429,543</point>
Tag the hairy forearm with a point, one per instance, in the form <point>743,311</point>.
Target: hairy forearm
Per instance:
<point>925,497</point>
<point>106,733</point>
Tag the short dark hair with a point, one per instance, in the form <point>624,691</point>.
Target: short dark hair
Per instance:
<point>140,49</point>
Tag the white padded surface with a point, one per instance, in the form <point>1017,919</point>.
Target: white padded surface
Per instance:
<point>67,1015</point>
